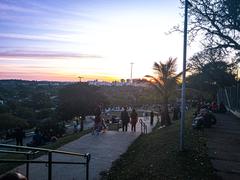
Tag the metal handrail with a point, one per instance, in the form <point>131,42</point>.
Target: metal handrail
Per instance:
<point>143,126</point>
<point>49,162</point>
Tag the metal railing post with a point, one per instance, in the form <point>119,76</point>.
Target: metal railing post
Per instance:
<point>27,167</point>
<point>49,165</point>
<point>49,162</point>
<point>88,156</point>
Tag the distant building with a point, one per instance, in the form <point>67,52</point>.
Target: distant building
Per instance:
<point>122,82</point>
<point>99,83</point>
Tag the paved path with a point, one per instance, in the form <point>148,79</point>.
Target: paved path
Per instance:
<point>224,146</point>
<point>104,149</point>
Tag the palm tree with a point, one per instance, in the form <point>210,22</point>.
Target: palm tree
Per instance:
<point>165,81</point>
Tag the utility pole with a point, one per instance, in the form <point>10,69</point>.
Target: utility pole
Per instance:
<point>183,103</point>
<point>131,72</point>
<point>80,78</point>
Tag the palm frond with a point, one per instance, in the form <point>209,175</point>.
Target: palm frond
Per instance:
<point>155,83</point>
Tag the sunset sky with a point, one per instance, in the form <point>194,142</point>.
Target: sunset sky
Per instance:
<point>96,39</point>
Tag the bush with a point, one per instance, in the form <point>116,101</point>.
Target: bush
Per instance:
<point>50,128</point>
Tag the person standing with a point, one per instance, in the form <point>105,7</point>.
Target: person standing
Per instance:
<point>152,117</point>
<point>125,119</point>
<point>134,119</point>
<point>176,112</point>
<point>19,135</point>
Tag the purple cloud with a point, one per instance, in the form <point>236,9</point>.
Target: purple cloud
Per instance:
<point>43,54</point>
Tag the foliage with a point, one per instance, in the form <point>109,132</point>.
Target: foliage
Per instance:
<point>24,112</point>
<point>4,108</point>
<point>200,59</point>
<point>218,21</point>
<point>210,72</point>
<point>28,99</point>
<point>9,121</point>
<point>129,95</point>
<point>51,128</point>
<point>44,113</point>
<point>79,100</point>
<point>40,100</point>
<point>165,82</point>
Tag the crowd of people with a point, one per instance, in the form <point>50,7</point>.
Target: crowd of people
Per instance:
<point>214,107</point>
<point>126,117</point>
<point>204,117</point>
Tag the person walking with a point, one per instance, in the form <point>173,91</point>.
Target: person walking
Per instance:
<point>134,119</point>
<point>125,119</point>
<point>152,117</point>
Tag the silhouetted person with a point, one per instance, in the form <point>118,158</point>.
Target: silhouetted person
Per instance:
<point>222,108</point>
<point>97,111</point>
<point>37,139</point>
<point>151,118</point>
<point>13,176</point>
<point>97,121</point>
<point>214,107</point>
<point>125,119</point>
<point>176,112</point>
<point>19,135</point>
<point>134,119</point>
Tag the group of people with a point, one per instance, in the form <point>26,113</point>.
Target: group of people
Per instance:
<point>126,118</point>
<point>40,138</point>
<point>214,107</point>
<point>132,118</point>
<point>204,117</point>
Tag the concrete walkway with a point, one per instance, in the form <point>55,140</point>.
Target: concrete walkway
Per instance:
<point>104,149</point>
<point>224,146</point>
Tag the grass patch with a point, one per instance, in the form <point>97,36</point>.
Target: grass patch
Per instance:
<point>156,156</point>
<point>5,167</point>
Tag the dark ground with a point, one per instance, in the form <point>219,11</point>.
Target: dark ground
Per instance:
<point>223,142</point>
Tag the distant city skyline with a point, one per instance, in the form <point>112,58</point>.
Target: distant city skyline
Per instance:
<point>62,40</point>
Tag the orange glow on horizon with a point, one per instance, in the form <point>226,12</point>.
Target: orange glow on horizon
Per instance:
<point>58,77</point>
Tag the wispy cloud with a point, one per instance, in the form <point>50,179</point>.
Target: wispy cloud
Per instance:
<point>9,7</point>
<point>37,17</point>
<point>44,54</point>
<point>40,37</point>
<point>74,11</point>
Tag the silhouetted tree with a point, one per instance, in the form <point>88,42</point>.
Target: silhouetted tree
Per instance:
<point>211,71</point>
<point>212,76</point>
<point>79,100</point>
<point>165,81</point>
<point>200,59</point>
<point>218,21</point>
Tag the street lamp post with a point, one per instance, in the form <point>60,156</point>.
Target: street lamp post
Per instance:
<point>183,102</point>
<point>131,71</point>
